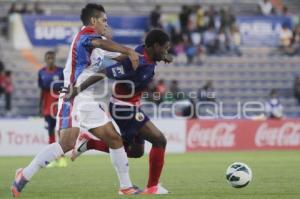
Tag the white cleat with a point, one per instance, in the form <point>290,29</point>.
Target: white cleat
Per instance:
<point>81,146</point>
<point>155,190</point>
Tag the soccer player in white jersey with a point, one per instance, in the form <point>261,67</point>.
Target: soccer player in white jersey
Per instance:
<point>87,51</point>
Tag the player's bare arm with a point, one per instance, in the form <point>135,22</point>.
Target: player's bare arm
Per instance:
<point>114,47</point>
<point>72,92</point>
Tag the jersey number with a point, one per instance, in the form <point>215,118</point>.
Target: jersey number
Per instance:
<point>117,71</point>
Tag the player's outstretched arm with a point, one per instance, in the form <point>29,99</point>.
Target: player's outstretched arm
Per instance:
<point>71,92</point>
<point>114,47</point>
<point>120,58</point>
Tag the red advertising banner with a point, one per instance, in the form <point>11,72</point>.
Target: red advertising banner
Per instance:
<point>207,135</point>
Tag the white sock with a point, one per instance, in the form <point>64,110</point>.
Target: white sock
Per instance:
<point>120,161</point>
<point>44,157</point>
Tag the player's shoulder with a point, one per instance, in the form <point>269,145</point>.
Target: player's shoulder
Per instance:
<point>140,48</point>
<point>42,70</point>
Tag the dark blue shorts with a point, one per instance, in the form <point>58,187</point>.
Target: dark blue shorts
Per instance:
<point>129,119</point>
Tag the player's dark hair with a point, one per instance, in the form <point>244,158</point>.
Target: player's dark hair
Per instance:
<point>156,36</point>
<point>89,11</point>
<point>50,52</point>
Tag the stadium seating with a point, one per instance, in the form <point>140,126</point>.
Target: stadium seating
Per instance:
<point>250,77</point>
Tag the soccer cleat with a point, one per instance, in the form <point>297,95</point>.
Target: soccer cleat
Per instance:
<point>81,146</point>
<point>155,190</point>
<point>130,191</point>
<point>19,183</point>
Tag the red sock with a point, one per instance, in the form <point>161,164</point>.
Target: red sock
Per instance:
<point>51,139</point>
<point>97,145</point>
<point>156,163</point>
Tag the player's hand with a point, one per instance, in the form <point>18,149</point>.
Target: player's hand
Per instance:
<point>134,58</point>
<point>168,58</point>
<point>70,92</point>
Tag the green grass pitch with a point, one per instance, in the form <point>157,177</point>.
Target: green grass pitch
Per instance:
<point>276,175</point>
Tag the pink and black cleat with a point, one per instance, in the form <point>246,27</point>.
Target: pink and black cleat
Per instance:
<point>19,183</point>
<point>130,191</point>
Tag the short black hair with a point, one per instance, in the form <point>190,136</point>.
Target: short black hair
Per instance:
<point>50,52</point>
<point>156,36</point>
<point>89,11</point>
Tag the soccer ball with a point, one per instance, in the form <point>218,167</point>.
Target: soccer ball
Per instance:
<point>238,175</point>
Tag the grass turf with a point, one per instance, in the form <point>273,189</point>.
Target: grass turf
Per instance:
<point>186,176</point>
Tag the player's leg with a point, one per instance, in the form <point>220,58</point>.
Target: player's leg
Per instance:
<point>135,149</point>
<point>50,153</point>
<point>85,143</point>
<point>69,134</point>
<point>119,159</point>
<point>152,134</point>
<point>51,128</point>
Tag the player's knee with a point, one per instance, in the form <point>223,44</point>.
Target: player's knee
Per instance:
<point>160,141</point>
<point>67,145</point>
<point>115,140</point>
<point>135,154</point>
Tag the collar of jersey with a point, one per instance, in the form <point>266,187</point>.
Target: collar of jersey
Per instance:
<point>88,29</point>
<point>147,57</point>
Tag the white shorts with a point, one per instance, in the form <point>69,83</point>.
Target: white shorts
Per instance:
<point>82,112</point>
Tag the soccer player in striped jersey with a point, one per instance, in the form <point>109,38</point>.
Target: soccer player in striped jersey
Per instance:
<point>86,55</point>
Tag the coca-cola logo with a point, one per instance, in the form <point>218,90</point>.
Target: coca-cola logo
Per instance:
<point>287,134</point>
<point>220,135</point>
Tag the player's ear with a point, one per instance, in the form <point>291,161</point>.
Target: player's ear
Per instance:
<point>92,20</point>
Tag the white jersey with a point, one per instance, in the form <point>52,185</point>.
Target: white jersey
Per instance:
<point>83,61</point>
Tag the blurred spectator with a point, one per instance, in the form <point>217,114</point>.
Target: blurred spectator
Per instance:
<point>296,40</point>
<point>222,42</point>
<point>155,15</point>
<point>8,89</point>
<point>1,77</point>
<point>161,89</point>
<point>210,40</point>
<point>200,18</point>
<point>13,8</point>
<point>286,36</point>
<point>173,93</point>
<point>265,7</point>
<point>235,41</point>
<point>37,9</point>
<point>207,92</point>
<point>2,90</point>
<point>26,9</point>
<point>178,46</point>
<point>297,88</point>
<point>274,109</point>
<point>211,15</point>
<point>227,19</point>
<point>206,95</point>
<point>2,67</point>
<point>184,17</point>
